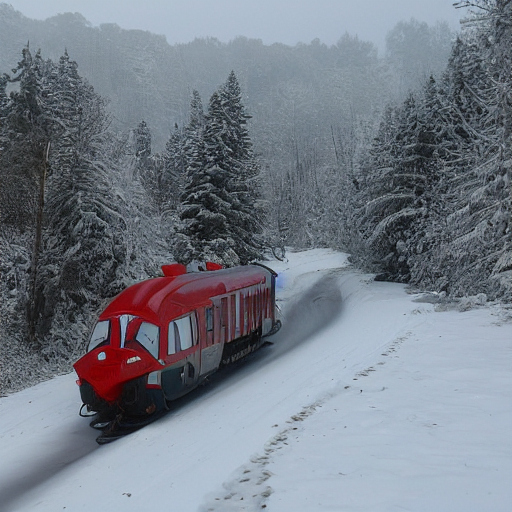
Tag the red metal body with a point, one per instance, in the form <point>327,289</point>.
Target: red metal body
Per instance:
<point>160,338</point>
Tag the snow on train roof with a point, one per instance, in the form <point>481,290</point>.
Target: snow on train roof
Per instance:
<point>174,296</point>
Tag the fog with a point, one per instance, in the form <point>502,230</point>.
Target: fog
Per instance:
<point>283,21</point>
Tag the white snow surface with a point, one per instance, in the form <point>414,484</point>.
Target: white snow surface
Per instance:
<point>367,400</point>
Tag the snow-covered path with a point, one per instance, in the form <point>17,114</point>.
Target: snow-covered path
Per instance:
<point>367,400</point>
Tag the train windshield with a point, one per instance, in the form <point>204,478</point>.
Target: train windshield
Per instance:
<point>135,332</point>
<point>100,335</point>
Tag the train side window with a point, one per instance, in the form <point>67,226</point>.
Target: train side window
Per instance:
<point>185,329</point>
<point>100,335</point>
<point>237,314</point>
<point>193,320</point>
<point>173,339</point>
<point>182,334</point>
<point>148,336</point>
<point>209,319</point>
<point>224,312</point>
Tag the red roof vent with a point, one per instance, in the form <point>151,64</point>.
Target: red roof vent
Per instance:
<point>213,266</point>
<point>174,270</point>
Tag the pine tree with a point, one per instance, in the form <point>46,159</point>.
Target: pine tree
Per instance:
<point>59,125</point>
<point>436,193</point>
<point>82,247</point>
<point>174,170</point>
<point>31,128</point>
<point>149,169</point>
<point>477,255</point>
<point>205,204</point>
<point>247,208</point>
<point>402,175</point>
<point>220,206</point>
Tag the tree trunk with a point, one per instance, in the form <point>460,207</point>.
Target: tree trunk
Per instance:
<point>32,305</point>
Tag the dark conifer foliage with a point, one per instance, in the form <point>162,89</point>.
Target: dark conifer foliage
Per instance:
<point>174,169</point>
<point>57,143</point>
<point>82,220</point>
<point>247,212</point>
<point>220,207</point>
<point>28,130</point>
<point>399,185</point>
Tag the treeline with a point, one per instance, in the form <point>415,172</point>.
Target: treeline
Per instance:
<point>430,201</point>
<point>207,182</point>
<point>289,90</point>
<point>85,211</point>
<point>75,222</point>
<point>420,194</point>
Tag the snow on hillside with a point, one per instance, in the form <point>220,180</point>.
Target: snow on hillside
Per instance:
<point>367,400</point>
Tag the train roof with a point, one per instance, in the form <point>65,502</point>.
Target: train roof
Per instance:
<point>171,297</point>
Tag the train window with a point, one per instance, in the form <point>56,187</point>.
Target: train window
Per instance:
<point>124,320</point>
<point>185,330</point>
<point>182,334</point>
<point>209,319</point>
<point>173,339</point>
<point>100,335</point>
<point>237,315</point>
<point>193,320</point>
<point>147,336</point>
<point>224,312</point>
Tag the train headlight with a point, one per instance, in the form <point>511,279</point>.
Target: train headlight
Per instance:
<point>102,356</point>
<point>154,378</point>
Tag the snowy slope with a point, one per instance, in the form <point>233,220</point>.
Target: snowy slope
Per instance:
<point>366,401</point>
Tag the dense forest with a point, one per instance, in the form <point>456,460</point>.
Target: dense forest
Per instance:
<point>110,164</point>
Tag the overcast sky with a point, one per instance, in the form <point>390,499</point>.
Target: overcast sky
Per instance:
<point>284,21</point>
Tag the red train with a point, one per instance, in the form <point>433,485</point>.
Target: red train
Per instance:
<point>159,339</point>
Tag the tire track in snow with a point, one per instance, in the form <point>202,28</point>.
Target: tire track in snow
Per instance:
<point>250,489</point>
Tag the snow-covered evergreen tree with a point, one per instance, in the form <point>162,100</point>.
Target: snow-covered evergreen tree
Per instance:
<point>247,210</point>
<point>29,130</point>
<point>220,207</point>
<point>436,192</point>
<point>400,178</point>
<point>59,124</point>
<point>206,203</point>
<point>477,255</point>
<point>82,248</point>
<point>174,169</point>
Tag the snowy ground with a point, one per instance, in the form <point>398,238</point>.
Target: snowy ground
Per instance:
<point>391,406</point>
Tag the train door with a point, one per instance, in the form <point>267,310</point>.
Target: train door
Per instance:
<point>182,339</point>
<point>243,314</point>
<point>187,327</point>
<point>211,352</point>
<point>217,331</point>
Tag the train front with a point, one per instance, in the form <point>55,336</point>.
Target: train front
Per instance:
<point>115,374</point>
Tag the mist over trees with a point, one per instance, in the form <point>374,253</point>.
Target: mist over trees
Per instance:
<point>111,164</point>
